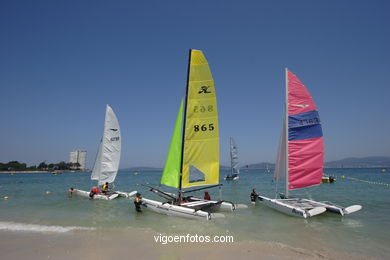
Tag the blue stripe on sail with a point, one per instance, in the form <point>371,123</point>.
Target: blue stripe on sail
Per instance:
<point>304,126</point>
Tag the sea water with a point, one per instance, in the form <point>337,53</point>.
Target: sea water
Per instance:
<point>39,202</point>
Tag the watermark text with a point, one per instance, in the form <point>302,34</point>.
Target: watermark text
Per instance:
<point>165,239</point>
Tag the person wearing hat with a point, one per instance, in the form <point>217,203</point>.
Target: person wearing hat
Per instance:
<point>138,202</point>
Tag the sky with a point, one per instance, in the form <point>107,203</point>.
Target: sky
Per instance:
<point>62,61</point>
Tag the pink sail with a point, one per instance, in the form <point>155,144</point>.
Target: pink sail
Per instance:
<point>299,99</point>
<point>305,141</point>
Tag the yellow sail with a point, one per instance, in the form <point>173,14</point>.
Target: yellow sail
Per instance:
<point>201,140</point>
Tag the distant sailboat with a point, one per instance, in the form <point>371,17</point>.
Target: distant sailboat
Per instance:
<point>267,170</point>
<point>301,154</point>
<point>234,165</point>
<point>328,179</point>
<point>106,164</point>
<point>193,156</point>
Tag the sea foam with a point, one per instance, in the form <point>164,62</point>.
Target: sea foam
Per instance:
<point>13,226</point>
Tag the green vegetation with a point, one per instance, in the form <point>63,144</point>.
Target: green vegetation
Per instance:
<point>17,166</point>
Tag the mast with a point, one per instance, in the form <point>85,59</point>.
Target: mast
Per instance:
<point>231,158</point>
<point>102,143</point>
<point>286,133</point>
<point>184,126</point>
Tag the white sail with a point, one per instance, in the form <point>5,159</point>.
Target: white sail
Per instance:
<point>107,161</point>
<point>96,167</point>
<point>235,167</point>
<point>280,165</point>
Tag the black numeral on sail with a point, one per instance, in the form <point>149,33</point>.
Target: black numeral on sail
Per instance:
<point>204,127</point>
<point>202,109</point>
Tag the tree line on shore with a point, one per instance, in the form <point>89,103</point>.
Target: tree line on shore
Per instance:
<point>43,166</point>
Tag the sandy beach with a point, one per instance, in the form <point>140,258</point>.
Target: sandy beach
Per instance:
<point>137,244</point>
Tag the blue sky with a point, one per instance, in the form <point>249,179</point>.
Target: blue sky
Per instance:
<point>62,61</point>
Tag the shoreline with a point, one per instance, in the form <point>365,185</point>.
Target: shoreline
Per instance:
<point>140,244</point>
<point>43,171</point>
<point>13,172</point>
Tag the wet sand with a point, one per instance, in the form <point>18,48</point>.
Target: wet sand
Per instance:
<point>137,244</point>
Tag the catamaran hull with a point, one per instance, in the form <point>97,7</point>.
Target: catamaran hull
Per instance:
<point>280,206</point>
<point>337,209</point>
<point>179,211</point>
<point>305,207</point>
<point>221,205</point>
<point>227,178</point>
<point>115,195</point>
<point>218,205</point>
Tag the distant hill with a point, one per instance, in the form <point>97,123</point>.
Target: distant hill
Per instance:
<point>141,168</point>
<point>224,167</point>
<point>353,162</point>
<point>364,162</point>
<point>263,165</point>
<point>145,168</point>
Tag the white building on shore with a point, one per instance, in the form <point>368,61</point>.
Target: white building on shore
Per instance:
<point>78,156</point>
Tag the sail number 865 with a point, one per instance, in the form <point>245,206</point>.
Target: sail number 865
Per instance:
<point>204,127</point>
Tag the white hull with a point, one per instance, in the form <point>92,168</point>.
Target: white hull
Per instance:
<point>179,211</point>
<point>296,210</point>
<point>226,178</point>
<point>220,206</point>
<point>117,194</point>
<point>337,209</point>
<point>305,208</point>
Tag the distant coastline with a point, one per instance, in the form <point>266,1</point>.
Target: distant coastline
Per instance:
<point>41,171</point>
<point>23,172</point>
<point>346,163</point>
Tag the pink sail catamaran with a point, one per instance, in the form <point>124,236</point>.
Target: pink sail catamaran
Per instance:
<point>300,156</point>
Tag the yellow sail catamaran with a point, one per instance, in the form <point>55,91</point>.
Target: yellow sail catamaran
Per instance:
<point>193,156</point>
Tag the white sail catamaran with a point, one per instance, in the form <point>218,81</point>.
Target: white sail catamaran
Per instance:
<point>234,165</point>
<point>106,164</point>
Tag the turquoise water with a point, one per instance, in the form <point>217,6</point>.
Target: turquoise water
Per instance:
<point>41,199</point>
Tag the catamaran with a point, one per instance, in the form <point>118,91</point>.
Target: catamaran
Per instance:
<point>234,165</point>
<point>300,157</point>
<point>107,160</point>
<point>328,179</point>
<point>267,170</point>
<point>193,156</point>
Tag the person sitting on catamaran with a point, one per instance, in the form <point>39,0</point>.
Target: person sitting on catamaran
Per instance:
<point>207,195</point>
<point>105,188</point>
<point>138,202</point>
<point>94,191</point>
<point>254,195</point>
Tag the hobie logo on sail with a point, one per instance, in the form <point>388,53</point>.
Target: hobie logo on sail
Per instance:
<point>113,129</point>
<point>114,139</point>
<point>299,105</point>
<point>204,89</point>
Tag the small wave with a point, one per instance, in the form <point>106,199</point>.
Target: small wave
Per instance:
<point>12,226</point>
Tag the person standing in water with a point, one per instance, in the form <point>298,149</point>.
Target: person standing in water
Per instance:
<point>254,196</point>
<point>138,202</point>
<point>70,192</point>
